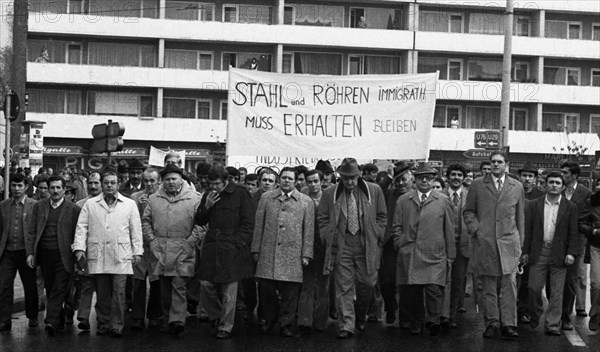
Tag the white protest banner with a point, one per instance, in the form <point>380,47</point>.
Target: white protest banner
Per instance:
<point>157,156</point>
<point>362,116</point>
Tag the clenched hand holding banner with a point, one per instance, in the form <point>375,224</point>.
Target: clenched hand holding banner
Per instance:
<point>367,116</point>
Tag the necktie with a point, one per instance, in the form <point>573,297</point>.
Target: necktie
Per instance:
<point>499,185</point>
<point>455,199</point>
<point>423,198</point>
<point>352,214</point>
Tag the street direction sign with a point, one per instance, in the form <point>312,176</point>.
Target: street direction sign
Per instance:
<point>478,153</point>
<point>487,139</point>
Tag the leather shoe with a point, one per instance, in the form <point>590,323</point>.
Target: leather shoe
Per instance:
<point>360,325</point>
<point>5,326</point>
<point>490,331</point>
<point>567,325</point>
<point>553,332</point>
<point>222,335</point>
<point>581,313</point>
<point>304,330</point>
<point>524,319</point>
<point>138,325</point>
<point>434,329</point>
<point>344,334</point>
<point>84,324</point>
<point>33,323</point>
<point>509,332</point>
<point>533,323</point>
<point>593,324</point>
<point>116,333</point>
<point>286,331</point>
<point>390,317</point>
<point>462,310</point>
<point>445,323</point>
<point>50,329</point>
<point>176,328</point>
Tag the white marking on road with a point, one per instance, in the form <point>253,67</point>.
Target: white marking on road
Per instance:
<point>574,338</point>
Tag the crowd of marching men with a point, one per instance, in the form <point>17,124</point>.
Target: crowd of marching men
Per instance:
<point>292,249</point>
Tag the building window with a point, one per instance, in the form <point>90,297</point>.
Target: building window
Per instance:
<point>187,108</point>
<point>250,61</point>
<point>444,114</point>
<point>522,26</point>
<point>191,11</point>
<point>373,65</point>
<point>355,15</point>
<point>563,29</point>
<point>287,62</point>
<point>75,6</point>
<point>560,122</point>
<point>441,21</point>
<point>562,75</point>
<point>54,101</point>
<point>248,13</point>
<point>223,115</point>
<point>188,59</point>
<point>595,79</point>
<point>485,70</point>
<point>574,30</point>
<point>318,63</point>
<point>114,103</point>
<point>289,14</point>
<point>50,51</point>
<point>121,54</point>
<point>486,23</point>
<point>482,117</point>
<point>455,69</point>
<point>518,120</point>
<point>146,105</point>
<point>74,53</point>
<point>596,31</point>
<point>520,71</point>
<point>204,109</point>
<point>595,123</point>
<point>318,15</point>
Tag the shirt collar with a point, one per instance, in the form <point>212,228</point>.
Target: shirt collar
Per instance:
<point>502,178</point>
<point>458,192</point>
<point>572,189</point>
<point>546,201</point>
<point>291,194</point>
<point>57,204</point>
<point>426,194</point>
<point>20,200</point>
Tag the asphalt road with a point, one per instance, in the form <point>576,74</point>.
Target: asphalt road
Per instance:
<point>377,337</point>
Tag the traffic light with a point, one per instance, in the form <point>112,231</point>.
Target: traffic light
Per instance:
<point>108,137</point>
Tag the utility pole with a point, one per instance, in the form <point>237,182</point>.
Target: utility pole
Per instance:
<point>506,70</point>
<point>7,149</point>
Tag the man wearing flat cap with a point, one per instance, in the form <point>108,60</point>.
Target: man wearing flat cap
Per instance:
<point>423,234</point>
<point>168,224</point>
<point>403,183</point>
<point>352,218</point>
<point>134,183</point>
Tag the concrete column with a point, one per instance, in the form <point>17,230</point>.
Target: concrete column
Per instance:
<point>159,102</point>
<point>278,58</point>
<point>537,69</point>
<point>538,27</point>
<point>162,4</point>
<point>411,18</point>
<point>161,53</point>
<point>410,60</point>
<point>536,114</point>
<point>278,12</point>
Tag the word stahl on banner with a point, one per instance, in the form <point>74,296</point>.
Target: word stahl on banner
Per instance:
<point>366,116</point>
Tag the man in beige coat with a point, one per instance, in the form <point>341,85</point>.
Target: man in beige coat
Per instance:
<point>282,245</point>
<point>494,215</point>
<point>109,237</point>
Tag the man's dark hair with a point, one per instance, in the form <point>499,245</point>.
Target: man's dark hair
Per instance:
<point>105,173</point>
<point>555,174</point>
<point>251,177</point>
<point>233,172</point>
<point>289,169</point>
<point>484,163</point>
<point>42,178</point>
<point>499,152</point>
<point>456,167</point>
<point>18,178</point>
<point>573,167</point>
<point>441,181</point>
<point>301,169</point>
<point>368,168</point>
<point>218,172</point>
<point>314,171</point>
<point>202,169</point>
<point>55,178</point>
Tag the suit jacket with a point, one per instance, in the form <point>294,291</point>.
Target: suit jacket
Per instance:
<point>67,222</point>
<point>462,237</point>
<point>581,194</point>
<point>566,235</point>
<point>5,211</point>
<point>372,218</point>
<point>496,222</point>
<point>424,238</point>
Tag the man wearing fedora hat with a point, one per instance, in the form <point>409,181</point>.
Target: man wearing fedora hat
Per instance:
<point>403,183</point>
<point>134,183</point>
<point>352,218</point>
<point>168,226</point>
<point>423,234</point>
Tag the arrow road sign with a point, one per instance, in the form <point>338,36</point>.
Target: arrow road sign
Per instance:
<point>487,139</point>
<point>478,153</point>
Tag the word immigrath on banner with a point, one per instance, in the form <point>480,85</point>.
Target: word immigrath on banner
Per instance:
<point>366,116</point>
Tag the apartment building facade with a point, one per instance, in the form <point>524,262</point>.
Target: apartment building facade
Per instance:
<point>160,67</point>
